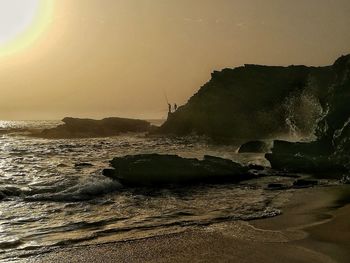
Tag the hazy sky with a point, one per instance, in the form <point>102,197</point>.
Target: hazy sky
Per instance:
<point>101,58</point>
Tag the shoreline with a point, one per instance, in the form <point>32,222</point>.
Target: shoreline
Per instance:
<point>313,227</point>
<point>320,217</point>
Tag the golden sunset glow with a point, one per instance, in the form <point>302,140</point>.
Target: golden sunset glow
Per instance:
<point>22,28</point>
<point>174,131</point>
<point>93,58</point>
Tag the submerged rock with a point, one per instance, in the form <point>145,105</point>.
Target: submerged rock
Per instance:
<point>87,128</point>
<point>155,169</point>
<point>277,186</point>
<point>78,165</point>
<point>8,191</point>
<point>255,147</point>
<point>303,183</point>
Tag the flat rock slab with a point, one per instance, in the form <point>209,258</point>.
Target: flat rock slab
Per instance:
<point>156,169</point>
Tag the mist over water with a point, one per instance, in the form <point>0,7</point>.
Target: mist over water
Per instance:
<point>53,192</point>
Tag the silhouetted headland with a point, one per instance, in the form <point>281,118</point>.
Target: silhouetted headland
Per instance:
<point>259,102</point>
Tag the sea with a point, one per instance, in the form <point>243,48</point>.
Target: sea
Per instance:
<point>48,200</point>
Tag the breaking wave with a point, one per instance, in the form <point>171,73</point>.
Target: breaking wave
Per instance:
<point>84,190</point>
<point>303,113</point>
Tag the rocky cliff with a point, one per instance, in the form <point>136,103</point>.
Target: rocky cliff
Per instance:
<point>330,150</point>
<point>259,102</point>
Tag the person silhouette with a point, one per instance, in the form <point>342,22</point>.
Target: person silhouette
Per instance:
<point>169,106</point>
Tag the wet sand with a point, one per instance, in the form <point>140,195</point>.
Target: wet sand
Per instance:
<point>312,228</point>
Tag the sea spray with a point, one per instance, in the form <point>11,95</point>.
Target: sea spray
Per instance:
<point>303,113</point>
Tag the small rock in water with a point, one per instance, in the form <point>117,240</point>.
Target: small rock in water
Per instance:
<point>303,183</point>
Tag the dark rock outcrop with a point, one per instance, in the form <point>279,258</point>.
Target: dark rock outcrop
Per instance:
<point>255,147</point>
<point>258,102</point>
<point>306,164</point>
<point>87,128</point>
<point>315,157</point>
<point>329,153</point>
<point>155,169</point>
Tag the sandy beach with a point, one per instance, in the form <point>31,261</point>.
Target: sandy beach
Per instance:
<point>314,227</point>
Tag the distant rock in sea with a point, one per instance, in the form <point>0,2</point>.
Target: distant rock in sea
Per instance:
<point>88,128</point>
<point>260,102</point>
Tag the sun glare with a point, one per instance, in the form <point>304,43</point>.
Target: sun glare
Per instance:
<point>22,22</point>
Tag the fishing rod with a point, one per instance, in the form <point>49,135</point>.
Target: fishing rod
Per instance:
<point>166,97</point>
